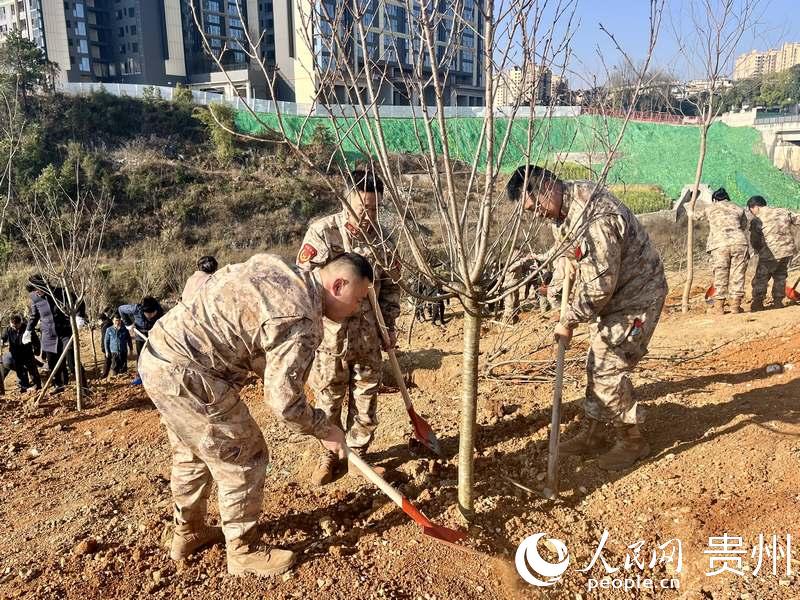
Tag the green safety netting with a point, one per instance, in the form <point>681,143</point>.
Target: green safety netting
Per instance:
<point>650,153</point>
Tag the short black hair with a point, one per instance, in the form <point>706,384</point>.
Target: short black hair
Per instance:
<point>207,264</point>
<point>36,282</point>
<point>364,180</point>
<point>720,194</point>
<point>358,263</point>
<point>149,304</point>
<point>756,201</point>
<point>16,319</point>
<point>534,174</point>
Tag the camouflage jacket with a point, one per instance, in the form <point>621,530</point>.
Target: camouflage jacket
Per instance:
<point>323,242</point>
<point>727,225</point>
<point>262,316</point>
<point>195,281</point>
<point>771,232</point>
<point>619,272</point>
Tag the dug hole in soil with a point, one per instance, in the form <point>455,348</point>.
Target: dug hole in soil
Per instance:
<point>85,505</point>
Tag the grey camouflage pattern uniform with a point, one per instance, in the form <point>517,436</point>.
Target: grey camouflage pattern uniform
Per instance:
<point>262,316</point>
<point>727,244</point>
<point>348,366</point>
<point>772,237</point>
<point>620,290</point>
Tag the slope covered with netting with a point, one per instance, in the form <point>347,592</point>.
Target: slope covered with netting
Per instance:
<point>650,153</point>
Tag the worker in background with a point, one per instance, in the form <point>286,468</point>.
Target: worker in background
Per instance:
<point>727,244</point>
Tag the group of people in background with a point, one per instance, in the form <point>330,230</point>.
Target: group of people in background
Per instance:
<point>120,331</point>
<point>734,235</point>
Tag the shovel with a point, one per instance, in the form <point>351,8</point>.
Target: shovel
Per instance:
<point>551,483</point>
<point>791,292</point>
<point>429,528</point>
<point>422,431</point>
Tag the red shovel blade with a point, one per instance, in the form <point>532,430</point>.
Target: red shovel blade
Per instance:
<point>711,292</point>
<point>423,432</point>
<point>792,294</point>
<point>430,528</point>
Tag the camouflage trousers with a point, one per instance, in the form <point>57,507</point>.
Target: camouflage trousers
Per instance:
<point>770,268</point>
<point>213,438</point>
<point>730,265</point>
<point>613,354</point>
<point>347,371</point>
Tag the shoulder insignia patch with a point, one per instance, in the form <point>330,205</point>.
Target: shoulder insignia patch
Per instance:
<point>306,253</point>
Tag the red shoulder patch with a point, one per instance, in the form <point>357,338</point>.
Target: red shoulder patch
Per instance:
<point>578,253</point>
<point>306,253</point>
<point>351,228</point>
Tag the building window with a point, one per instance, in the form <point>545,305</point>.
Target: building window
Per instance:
<point>396,16</point>
<point>122,49</point>
<point>213,29</point>
<point>235,23</point>
<point>238,57</point>
<point>120,14</point>
<point>133,29</point>
<point>212,5</point>
<point>85,65</point>
<point>215,43</point>
<point>121,32</point>
<point>215,19</point>
<point>236,34</point>
<point>83,47</point>
<point>81,28</point>
<point>290,13</point>
<point>79,10</point>
<point>135,47</point>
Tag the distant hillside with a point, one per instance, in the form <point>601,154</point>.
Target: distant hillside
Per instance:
<point>653,154</point>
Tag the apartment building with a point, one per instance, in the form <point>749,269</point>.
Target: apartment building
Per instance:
<point>755,63</point>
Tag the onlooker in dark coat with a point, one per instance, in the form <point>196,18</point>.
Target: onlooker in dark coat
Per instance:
<point>141,317</point>
<point>55,326</point>
<point>21,356</point>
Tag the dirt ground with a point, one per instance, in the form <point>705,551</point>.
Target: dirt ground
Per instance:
<point>85,505</point>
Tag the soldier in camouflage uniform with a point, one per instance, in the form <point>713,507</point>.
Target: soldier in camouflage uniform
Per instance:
<point>262,316</point>
<point>348,366</point>
<point>620,292</point>
<point>772,237</point>
<point>727,244</point>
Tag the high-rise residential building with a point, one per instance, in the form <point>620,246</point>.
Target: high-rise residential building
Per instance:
<point>158,42</point>
<point>14,14</point>
<point>535,84</point>
<point>756,64</point>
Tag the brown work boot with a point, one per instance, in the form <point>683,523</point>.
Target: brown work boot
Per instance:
<point>628,448</point>
<point>736,306</point>
<point>244,558</point>
<point>592,440</point>
<point>361,453</point>
<point>757,306</point>
<point>326,467</point>
<point>190,537</point>
<point>719,307</point>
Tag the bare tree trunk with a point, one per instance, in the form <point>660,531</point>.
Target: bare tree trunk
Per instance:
<point>469,397</point>
<point>76,348</point>
<point>687,288</point>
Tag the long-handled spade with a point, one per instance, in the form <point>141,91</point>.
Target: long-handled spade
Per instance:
<point>429,528</point>
<point>551,484</point>
<point>791,291</point>
<point>422,431</point>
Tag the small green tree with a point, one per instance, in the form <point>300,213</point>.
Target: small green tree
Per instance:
<point>219,119</point>
<point>182,96</point>
<point>24,66</point>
